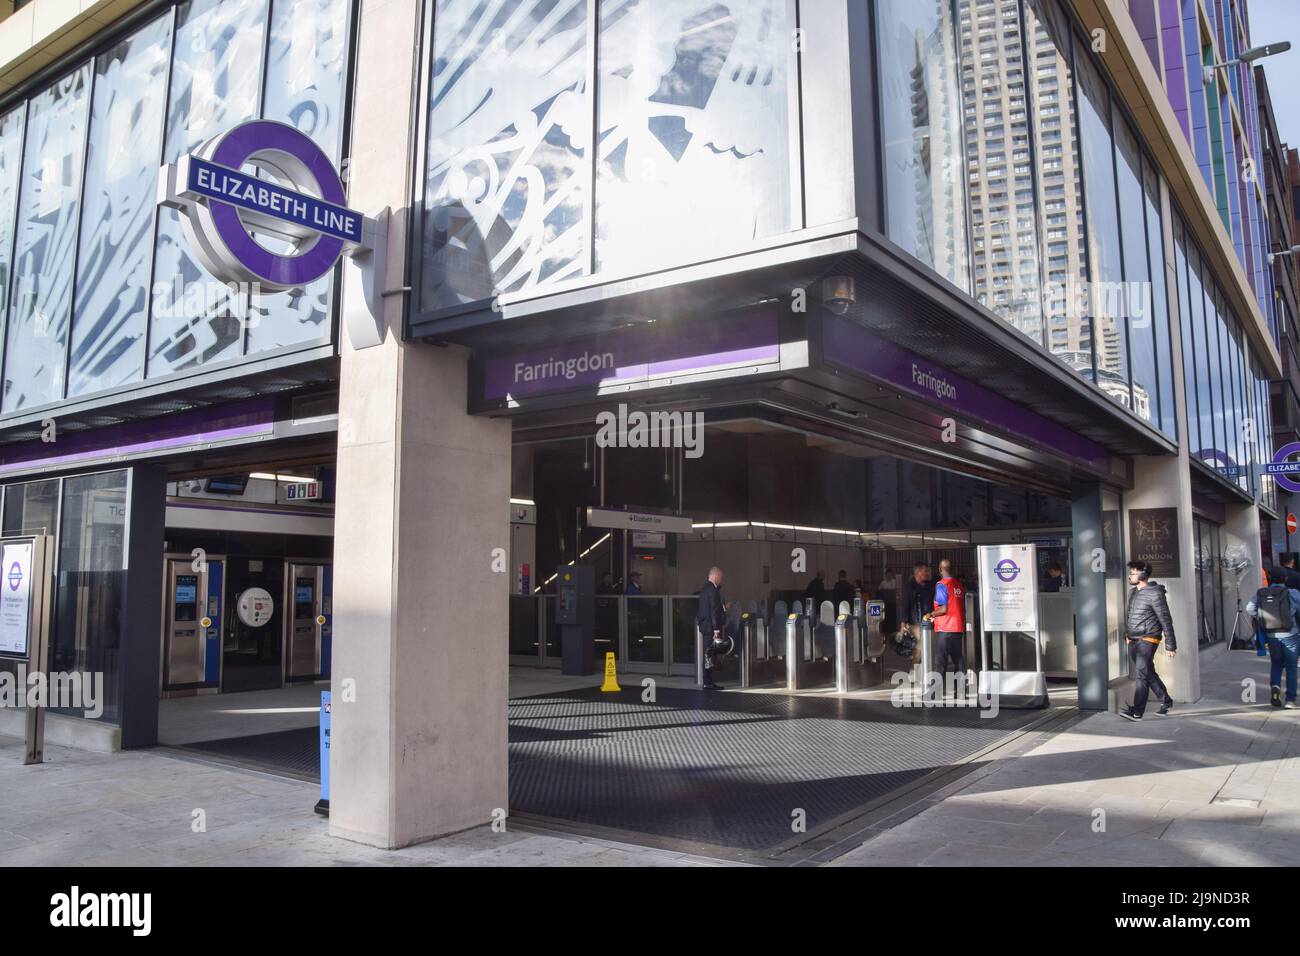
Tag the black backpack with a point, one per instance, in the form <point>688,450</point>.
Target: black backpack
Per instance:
<point>1275,610</point>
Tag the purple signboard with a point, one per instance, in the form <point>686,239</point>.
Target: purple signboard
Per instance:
<point>244,420</point>
<point>634,355</point>
<point>847,345</point>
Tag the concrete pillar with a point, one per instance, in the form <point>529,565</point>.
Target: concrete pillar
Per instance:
<point>420,617</point>
<point>1164,481</point>
<point>1090,597</point>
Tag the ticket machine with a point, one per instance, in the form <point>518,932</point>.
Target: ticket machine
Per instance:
<point>308,622</point>
<point>192,623</point>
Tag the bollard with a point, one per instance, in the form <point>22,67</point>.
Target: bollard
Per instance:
<point>843,666</point>
<point>793,657</point>
<point>927,653</point>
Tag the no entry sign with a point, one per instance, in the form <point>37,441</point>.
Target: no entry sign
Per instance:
<point>1290,524</point>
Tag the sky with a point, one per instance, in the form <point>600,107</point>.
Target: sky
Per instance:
<point>1270,21</point>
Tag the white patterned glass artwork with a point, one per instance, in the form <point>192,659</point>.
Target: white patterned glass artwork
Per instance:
<point>693,155</point>
<point>46,243</point>
<point>112,303</point>
<point>11,161</point>
<point>509,122</point>
<point>216,65</point>
<point>305,73</point>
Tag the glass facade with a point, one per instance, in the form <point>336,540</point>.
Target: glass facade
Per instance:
<point>87,514</point>
<point>921,132</point>
<point>1062,202</point>
<point>1228,419</point>
<point>689,117</point>
<point>574,137</point>
<point>98,289</point>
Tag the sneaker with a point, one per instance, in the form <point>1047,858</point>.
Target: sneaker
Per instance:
<point>1276,699</point>
<point>1165,708</point>
<point>1289,705</point>
<point>1127,714</point>
<point>713,686</point>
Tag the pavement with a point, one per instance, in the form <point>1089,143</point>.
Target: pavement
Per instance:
<point>1215,783</point>
<point>138,808</point>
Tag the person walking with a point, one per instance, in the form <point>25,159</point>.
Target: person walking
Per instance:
<point>1275,609</point>
<point>1146,624</point>
<point>711,619</point>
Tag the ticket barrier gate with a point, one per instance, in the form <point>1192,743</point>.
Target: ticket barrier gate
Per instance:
<point>745,655</point>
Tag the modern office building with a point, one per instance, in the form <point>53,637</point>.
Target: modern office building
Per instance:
<point>935,274</point>
<point>1282,186</point>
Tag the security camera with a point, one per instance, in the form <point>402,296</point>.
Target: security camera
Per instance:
<point>838,293</point>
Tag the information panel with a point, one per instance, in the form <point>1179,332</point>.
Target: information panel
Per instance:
<point>15,598</point>
<point>1009,587</point>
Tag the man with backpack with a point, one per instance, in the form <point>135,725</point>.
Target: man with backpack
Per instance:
<point>1275,608</point>
<point>1147,623</point>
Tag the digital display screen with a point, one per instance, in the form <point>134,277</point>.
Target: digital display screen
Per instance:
<point>185,597</point>
<point>227,485</point>
<point>303,593</point>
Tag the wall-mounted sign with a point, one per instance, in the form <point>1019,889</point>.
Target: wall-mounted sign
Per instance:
<point>1282,467</point>
<point>15,598</point>
<point>1008,587</point>
<point>634,521</point>
<point>228,214</point>
<point>649,539</point>
<point>302,491</point>
<point>1153,537</point>
<point>255,607</point>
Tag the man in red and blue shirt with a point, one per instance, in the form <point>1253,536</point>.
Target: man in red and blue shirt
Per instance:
<point>949,618</point>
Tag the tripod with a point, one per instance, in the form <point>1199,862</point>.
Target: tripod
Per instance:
<point>1237,620</point>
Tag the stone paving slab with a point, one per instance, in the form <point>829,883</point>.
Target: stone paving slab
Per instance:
<point>137,809</point>
<point>1158,788</point>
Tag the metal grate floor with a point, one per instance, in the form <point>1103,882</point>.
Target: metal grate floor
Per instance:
<point>727,769</point>
<point>292,752</point>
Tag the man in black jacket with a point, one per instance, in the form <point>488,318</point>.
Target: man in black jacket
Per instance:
<point>1147,623</point>
<point>918,603</point>
<point>711,619</point>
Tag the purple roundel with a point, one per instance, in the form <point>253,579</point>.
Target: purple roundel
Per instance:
<point>235,149</point>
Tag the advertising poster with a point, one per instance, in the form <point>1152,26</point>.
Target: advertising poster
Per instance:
<point>1009,587</point>
<point>15,599</point>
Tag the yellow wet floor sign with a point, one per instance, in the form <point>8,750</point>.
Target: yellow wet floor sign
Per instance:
<point>611,675</point>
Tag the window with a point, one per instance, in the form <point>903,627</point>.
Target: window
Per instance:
<point>48,205</point>
<point>925,201</point>
<point>693,129</point>
<point>1103,229</point>
<point>113,281</point>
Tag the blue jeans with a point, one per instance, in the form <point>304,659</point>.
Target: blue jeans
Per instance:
<point>1284,652</point>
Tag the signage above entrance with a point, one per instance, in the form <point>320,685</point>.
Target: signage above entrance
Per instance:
<point>634,521</point>
<point>233,217</point>
<point>1281,468</point>
<point>657,353</point>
